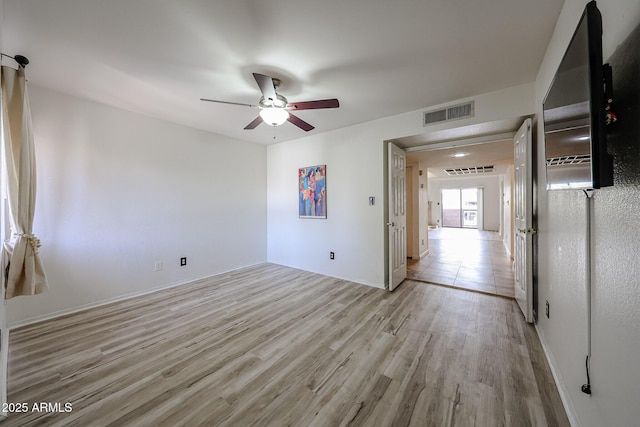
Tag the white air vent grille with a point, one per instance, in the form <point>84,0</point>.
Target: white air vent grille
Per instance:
<point>454,112</point>
<point>473,170</point>
<point>435,116</point>
<point>569,160</point>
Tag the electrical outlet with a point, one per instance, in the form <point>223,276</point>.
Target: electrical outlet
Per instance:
<point>183,261</point>
<point>158,265</point>
<point>546,308</point>
<point>331,255</point>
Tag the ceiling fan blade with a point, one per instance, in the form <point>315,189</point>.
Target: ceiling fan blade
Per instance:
<point>228,102</point>
<point>266,86</point>
<point>254,124</point>
<point>300,123</point>
<point>314,105</point>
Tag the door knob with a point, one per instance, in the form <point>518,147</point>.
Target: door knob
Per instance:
<point>392,224</point>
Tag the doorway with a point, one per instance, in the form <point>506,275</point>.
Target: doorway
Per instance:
<point>465,258</point>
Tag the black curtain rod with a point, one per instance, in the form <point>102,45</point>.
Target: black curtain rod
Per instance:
<point>21,60</point>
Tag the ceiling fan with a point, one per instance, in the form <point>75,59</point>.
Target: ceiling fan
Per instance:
<point>275,109</point>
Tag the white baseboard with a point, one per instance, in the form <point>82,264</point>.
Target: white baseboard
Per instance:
<point>560,384</point>
<point>72,310</point>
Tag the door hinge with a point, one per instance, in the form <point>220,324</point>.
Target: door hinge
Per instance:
<point>529,230</point>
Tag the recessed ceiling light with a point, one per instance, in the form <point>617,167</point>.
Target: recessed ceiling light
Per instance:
<point>459,154</point>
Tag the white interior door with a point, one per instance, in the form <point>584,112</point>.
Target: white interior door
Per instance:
<point>397,224</point>
<point>523,236</point>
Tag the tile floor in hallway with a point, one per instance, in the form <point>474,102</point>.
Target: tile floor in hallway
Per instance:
<point>465,258</point>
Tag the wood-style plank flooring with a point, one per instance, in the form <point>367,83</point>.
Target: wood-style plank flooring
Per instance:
<point>271,345</point>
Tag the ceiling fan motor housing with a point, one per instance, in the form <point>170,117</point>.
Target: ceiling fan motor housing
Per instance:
<point>279,102</point>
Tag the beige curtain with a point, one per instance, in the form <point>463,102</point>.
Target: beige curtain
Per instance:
<point>20,260</point>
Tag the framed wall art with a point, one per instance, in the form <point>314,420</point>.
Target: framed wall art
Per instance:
<point>312,192</point>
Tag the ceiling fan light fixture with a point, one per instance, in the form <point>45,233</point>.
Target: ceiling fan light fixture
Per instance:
<point>274,116</point>
<point>274,108</point>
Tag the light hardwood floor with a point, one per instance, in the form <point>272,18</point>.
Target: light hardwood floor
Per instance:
<point>271,345</point>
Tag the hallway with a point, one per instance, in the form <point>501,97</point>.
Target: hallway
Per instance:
<point>465,258</point>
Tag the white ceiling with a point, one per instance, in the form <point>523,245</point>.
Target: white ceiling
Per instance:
<point>378,57</point>
<point>497,153</point>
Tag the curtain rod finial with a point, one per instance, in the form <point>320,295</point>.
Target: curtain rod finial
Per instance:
<point>22,60</point>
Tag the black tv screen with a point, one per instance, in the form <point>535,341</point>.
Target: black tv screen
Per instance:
<point>574,113</point>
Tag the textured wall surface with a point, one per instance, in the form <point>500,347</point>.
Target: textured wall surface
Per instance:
<point>616,248</point>
<point>624,135</point>
<point>615,226</point>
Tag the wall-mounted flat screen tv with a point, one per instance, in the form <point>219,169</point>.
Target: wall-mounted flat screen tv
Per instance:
<point>574,112</point>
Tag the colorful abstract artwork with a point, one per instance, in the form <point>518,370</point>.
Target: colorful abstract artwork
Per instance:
<point>312,192</point>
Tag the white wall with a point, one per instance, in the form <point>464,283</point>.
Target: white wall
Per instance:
<point>413,211</point>
<point>119,191</point>
<point>355,159</point>
<point>491,202</point>
<point>423,211</point>
<point>353,229</point>
<point>616,270</point>
<point>417,211</point>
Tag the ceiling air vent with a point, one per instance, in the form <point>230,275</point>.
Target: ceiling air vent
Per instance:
<point>454,112</point>
<point>473,170</point>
